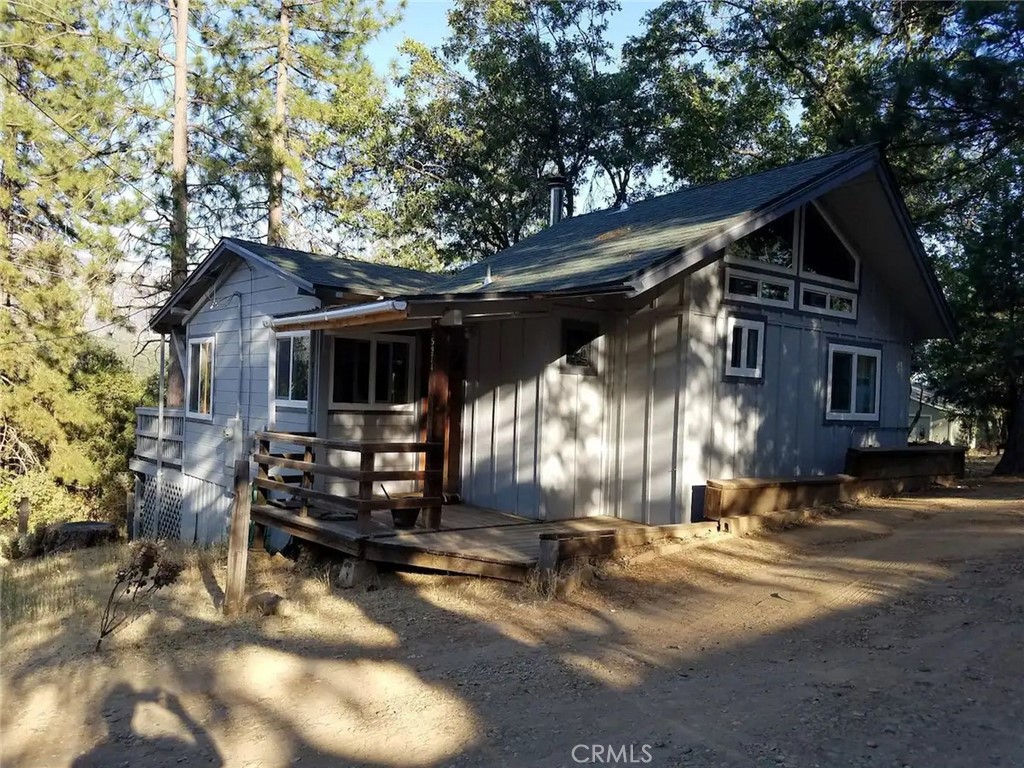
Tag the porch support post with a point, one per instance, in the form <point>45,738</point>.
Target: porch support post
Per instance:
<point>456,396</point>
<point>437,421</point>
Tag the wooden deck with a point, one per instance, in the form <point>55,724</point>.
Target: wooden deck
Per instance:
<point>471,540</point>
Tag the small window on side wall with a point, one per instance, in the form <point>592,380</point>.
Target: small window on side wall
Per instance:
<point>200,377</point>
<point>854,382</point>
<point>292,375</point>
<point>745,348</point>
<point>578,348</point>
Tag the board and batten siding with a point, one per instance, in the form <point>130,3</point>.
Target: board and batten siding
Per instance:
<point>641,439</point>
<point>241,385</point>
<point>682,421</point>
<point>533,435</point>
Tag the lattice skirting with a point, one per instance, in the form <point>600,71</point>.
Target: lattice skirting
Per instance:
<point>188,509</point>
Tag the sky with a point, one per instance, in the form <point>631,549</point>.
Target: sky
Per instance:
<point>427,22</point>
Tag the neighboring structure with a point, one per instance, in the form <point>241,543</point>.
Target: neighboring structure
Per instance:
<point>937,422</point>
<point>609,365</point>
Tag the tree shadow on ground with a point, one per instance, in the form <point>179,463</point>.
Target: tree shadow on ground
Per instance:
<point>862,653</point>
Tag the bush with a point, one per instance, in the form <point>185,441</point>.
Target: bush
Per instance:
<point>50,501</point>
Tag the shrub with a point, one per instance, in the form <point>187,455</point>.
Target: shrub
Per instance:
<point>149,570</point>
<point>50,501</point>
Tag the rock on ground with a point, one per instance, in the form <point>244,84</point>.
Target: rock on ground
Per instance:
<point>65,537</point>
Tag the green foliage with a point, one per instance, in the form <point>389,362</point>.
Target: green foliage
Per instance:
<point>66,197</point>
<point>332,100</point>
<point>50,502</point>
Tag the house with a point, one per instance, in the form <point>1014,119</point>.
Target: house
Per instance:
<point>934,421</point>
<point>608,365</point>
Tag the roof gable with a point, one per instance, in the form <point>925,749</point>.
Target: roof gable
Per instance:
<point>611,247</point>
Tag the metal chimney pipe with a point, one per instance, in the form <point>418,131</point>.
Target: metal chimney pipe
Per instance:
<point>556,186</point>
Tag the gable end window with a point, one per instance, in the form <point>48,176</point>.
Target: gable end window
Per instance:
<point>200,377</point>
<point>825,255</point>
<point>770,247</point>
<point>374,371</point>
<point>827,301</point>
<point>291,381</point>
<point>758,289</point>
<point>579,353</point>
<point>854,383</point>
<point>744,355</point>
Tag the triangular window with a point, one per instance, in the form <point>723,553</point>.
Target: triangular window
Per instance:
<point>771,246</point>
<point>825,255</point>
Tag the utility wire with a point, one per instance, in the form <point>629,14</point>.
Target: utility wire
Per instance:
<point>93,154</point>
<point>73,335</point>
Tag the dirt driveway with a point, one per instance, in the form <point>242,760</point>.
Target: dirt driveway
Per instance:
<point>892,635</point>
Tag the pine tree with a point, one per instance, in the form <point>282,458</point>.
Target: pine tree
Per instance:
<point>287,93</point>
<point>67,195</point>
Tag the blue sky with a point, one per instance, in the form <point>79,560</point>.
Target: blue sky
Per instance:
<point>427,22</point>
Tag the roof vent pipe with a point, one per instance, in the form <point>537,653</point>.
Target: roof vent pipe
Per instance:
<point>556,186</point>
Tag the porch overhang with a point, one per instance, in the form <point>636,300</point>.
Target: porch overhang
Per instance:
<point>355,315</point>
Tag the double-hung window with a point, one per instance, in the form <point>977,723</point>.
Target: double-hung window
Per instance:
<point>291,385</point>
<point>372,371</point>
<point>745,350</point>
<point>200,377</point>
<point>854,383</point>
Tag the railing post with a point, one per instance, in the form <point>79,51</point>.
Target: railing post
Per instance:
<point>261,469</point>
<point>363,514</point>
<point>433,485</point>
<point>307,479</point>
<point>238,542</point>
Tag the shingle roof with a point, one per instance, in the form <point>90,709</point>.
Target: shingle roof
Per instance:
<point>335,272</point>
<point>608,247</point>
<point>603,248</point>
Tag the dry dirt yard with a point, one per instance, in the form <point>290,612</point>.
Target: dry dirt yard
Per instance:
<point>889,635</point>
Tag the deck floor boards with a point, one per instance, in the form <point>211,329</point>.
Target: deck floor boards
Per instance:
<point>471,540</point>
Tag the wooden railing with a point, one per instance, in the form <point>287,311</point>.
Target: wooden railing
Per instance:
<point>302,495</point>
<point>147,433</point>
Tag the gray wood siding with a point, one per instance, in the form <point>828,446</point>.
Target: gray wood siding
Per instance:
<point>683,422</point>
<point>262,294</point>
<point>533,435</point>
<point>641,439</point>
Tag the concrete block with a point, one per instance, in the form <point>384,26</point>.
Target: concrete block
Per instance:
<point>354,572</point>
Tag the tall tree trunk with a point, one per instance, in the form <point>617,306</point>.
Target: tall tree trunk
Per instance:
<point>275,233</point>
<point>179,184</point>
<point>1012,462</point>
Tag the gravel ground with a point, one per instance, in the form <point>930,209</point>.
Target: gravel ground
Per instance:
<point>889,635</point>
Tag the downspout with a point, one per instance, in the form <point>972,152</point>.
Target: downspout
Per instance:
<point>241,368</point>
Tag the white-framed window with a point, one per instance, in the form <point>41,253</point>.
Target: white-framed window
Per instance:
<point>758,289</point>
<point>200,377</point>
<point>772,247</point>
<point>291,369</point>
<point>821,300</point>
<point>744,355</point>
<point>372,371</point>
<point>825,254</point>
<point>854,383</point>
